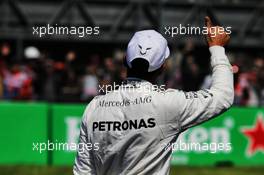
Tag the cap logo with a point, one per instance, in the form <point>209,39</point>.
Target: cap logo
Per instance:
<point>143,51</point>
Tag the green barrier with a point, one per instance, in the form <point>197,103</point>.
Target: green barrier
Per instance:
<point>235,137</point>
<point>65,132</point>
<point>221,140</point>
<point>21,125</point>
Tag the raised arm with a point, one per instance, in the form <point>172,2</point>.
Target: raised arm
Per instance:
<point>200,106</point>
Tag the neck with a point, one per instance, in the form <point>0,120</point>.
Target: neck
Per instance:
<point>150,79</point>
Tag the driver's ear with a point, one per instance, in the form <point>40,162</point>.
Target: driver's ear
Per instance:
<point>161,69</point>
<point>164,65</point>
<point>125,62</point>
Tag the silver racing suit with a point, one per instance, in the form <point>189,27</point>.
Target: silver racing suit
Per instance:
<point>132,125</point>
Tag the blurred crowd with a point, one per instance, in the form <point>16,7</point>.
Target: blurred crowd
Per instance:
<point>41,77</point>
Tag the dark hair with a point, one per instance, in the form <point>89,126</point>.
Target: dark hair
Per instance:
<point>139,69</point>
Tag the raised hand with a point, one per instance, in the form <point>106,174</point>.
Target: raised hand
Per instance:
<point>216,34</point>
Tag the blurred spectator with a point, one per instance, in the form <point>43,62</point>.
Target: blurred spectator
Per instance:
<point>190,71</point>
<point>1,86</point>
<point>90,84</point>
<point>110,68</point>
<point>70,88</point>
<point>50,89</point>
<point>42,76</point>
<point>259,71</point>
<point>5,50</point>
<point>4,53</point>
<point>17,83</point>
<point>69,85</point>
<point>249,83</point>
<point>245,93</point>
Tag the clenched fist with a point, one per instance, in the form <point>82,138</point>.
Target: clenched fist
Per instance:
<point>216,35</point>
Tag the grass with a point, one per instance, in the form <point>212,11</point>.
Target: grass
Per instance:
<point>45,170</point>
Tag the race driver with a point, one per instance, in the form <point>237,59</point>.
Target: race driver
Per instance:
<point>132,124</point>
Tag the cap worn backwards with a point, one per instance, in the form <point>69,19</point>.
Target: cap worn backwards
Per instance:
<point>149,45</point>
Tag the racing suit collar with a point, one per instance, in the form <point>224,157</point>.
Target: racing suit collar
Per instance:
<point>134,80</point>
<point>139,85</point>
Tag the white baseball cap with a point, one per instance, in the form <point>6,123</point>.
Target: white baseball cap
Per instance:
<point>149,45</point>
